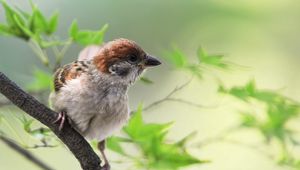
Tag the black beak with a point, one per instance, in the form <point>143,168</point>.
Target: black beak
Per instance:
<point>151,61</point>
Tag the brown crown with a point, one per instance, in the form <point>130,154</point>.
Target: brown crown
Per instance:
<point>116,50</point>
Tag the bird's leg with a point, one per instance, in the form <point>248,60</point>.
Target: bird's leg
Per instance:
<point>61,119</point>
<point>101,147</point>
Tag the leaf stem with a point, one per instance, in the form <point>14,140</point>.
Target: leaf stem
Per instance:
<point>59,55</point>
<point>41,54</point>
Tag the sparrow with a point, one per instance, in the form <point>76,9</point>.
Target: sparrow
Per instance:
<point>92,91</point>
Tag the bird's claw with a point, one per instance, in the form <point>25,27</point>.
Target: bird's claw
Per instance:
<point>106,166</point>
<point>61,119</point>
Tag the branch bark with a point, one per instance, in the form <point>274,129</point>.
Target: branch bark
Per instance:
<point>80,148</point>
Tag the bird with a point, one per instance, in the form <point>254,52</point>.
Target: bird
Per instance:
<point>91,92</point>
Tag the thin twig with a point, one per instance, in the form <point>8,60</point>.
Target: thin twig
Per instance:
<point>189,103</point>
<point>178,88</point>
<point>64,49</point>
<point>59,55</point>
<point>220,137</point>
<point>170,98</point>
<point>69,136</point>
<point>13,145</point>
<point>41,146</point>
<point>39,52</point>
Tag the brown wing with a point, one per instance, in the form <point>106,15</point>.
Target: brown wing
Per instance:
<point>68,72</point>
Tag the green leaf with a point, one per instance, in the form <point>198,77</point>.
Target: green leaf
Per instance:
<point>201,54</point>
<point>184,140</point>
<point>73,30</point>
<point>216,60</point>
<point>39,23</point>
<point>159,153</point>
<point>52,24</point>
<point>41,132</point>
<point>87,37</point>
<point>176,57</point>
<point>4,30</point>
<point>23,13</point>
<point>240,93</point>
<point>250,91</point>
<point>278,110</point>
<point>14,20</point>
<point>141,132</point>
<point>251,88</point>
<point>196,70</point>
<point>171,157</point>
<point>99,35</point>
<point>9,12</point>
<point>146,80</point>
<point>47,44</point>
<point>22,27</point>
<point>249,120</point>
<point>135,121</point>
<point>42,81</point>
<point>222,89</point>
<point>37,133</point>
<point>270,97</point>
<point>212,60</point>
<point>113,143</point>
<point>83,37</point>
<point>26,123</point>
<point>289,160</point>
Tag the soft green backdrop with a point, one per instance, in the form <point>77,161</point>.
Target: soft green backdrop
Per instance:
<point>263,35</point>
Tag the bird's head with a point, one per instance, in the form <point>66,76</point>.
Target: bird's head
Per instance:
<point>123,59</point>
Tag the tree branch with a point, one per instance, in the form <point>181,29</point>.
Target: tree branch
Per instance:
<point>24,153</point>
<point>80,148</point>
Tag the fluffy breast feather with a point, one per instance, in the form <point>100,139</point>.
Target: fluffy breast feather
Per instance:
<point>95,106</point>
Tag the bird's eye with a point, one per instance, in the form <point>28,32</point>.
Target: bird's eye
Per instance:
<point>132,59</point>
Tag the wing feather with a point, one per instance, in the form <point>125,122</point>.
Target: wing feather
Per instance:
<point>69,72</point>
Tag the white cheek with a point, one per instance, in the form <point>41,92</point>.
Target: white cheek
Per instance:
<point>132,76</point>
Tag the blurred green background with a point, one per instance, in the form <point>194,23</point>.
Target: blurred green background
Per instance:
<point>262,35</point>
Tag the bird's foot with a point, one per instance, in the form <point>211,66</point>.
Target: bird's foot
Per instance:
<point>101,147</point>
<point>61,119</point>
<point>106,166</point>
